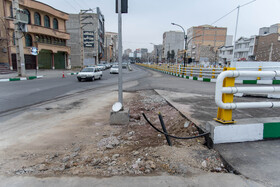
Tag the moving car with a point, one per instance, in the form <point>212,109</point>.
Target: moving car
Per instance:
<point>101,66</point>
<point>114,69</point>
<point>89,73</point>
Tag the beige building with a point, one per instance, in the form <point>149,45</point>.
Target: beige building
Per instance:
<point>46,31</point>
<point>204,41</point>
<point>111,47</point>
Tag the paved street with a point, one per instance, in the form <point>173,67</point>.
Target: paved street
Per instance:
<point>27,93</point>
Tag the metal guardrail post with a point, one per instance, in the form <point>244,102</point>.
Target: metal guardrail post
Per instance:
<point>225,115</point>
<point>200,72</point>
<point>213,73</point>
<point>260,69</point>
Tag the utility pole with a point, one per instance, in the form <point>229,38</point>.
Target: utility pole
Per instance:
<point>82,40</point>
<point>18,40</point>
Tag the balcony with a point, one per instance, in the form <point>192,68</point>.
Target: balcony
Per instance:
<point>35,29</point>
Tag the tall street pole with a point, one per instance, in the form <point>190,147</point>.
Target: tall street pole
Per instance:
<point>185,40</point>
<point>18,40</point>
<point>236,26</point>
<point>120,50</point>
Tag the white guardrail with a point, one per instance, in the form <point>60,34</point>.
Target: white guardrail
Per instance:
<point>220,90</point>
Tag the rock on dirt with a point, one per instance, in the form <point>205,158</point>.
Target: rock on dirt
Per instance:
<point>108,143</point>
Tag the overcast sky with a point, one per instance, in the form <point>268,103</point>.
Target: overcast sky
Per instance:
<point>147,20</point>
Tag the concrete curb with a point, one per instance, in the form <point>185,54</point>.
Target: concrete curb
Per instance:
<point>73,73</point>
<point>21,79</point>
<point>269,82</point>
<point>242,132</point>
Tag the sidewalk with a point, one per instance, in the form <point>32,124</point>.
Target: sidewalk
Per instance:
<point>202,180</point>
<point>40,73</point>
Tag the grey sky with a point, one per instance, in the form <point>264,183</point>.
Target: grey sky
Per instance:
<point>147,20</point>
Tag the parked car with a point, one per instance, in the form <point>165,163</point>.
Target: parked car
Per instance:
<point>89,73</point>
<point>114,69</point>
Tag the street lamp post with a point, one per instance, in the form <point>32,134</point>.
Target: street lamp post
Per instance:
<point>185,40</point>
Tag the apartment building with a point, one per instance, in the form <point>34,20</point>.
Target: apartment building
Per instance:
<point>87,40</point>
<point>172,41</point>
<point>46,30</point>
<point>111,47</point>
<point>204,41</point>
<point>244,49</point>
<point>269,30</point>
<point>267,47</point>
<point>225,54</point>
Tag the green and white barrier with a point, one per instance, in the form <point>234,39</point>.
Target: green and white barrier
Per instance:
<point>21,79</point>
<point>243,132</point>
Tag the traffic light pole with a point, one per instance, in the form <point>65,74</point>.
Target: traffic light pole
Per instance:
<point>120,51</point>
<point>18,41</point>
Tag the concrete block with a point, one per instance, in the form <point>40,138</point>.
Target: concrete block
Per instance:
<point>251,129</point>
<point>119,118</point>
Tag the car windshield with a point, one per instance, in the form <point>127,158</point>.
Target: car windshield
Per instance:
<point>87,70</point>
<point>115,66</point>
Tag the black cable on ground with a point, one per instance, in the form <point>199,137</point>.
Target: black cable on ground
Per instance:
<point>184,138</point>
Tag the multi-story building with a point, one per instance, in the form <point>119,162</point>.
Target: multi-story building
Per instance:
<point>157,53</point>
<point>127,52</point>
<point>244,49</point>
<point>225,54</point>
<point>111,47</point>
<point>46,30</point>
<point>87,38</point>
<point>267,47</point>
<point>204,41</point>
<point>172,41</point>
<point>269,30</point>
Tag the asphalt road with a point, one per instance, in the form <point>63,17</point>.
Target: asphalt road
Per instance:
<point>14,95</point>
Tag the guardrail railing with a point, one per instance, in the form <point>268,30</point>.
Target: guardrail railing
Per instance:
<point>225,90</point>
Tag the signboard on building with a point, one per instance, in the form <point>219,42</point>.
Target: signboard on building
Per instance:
<point>88,38</point>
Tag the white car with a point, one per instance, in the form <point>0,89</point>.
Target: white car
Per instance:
<point>114,69</point>
<point>101,66</point>
<point>89,73</point>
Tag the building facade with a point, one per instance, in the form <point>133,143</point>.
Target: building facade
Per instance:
<point>172,41</point>
<point>267,47</point>
<point>225,54</point>
<point>269,30</point>
<point>111,47</point>
<point>203,38</point>
<point>157,53</point>
<point>244,49</point>
<point>46,30</point>
<point>87,38</point>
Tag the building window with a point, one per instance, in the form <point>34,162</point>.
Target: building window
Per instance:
<point>28,40</point>
<point>11,11</point>
<point>47,21</point>
<point>14,38</point>
<point>28,14</point>
<point>55,24</point>
<point>37,18</point>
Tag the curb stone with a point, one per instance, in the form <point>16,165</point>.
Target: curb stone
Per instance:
<point>21,79</point>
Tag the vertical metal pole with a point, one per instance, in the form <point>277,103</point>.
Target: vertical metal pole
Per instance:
<point>164,129</point>
<point>82,41</point>
<point>120,50</point>
<point>236,26</point>
<point>18,39</point>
